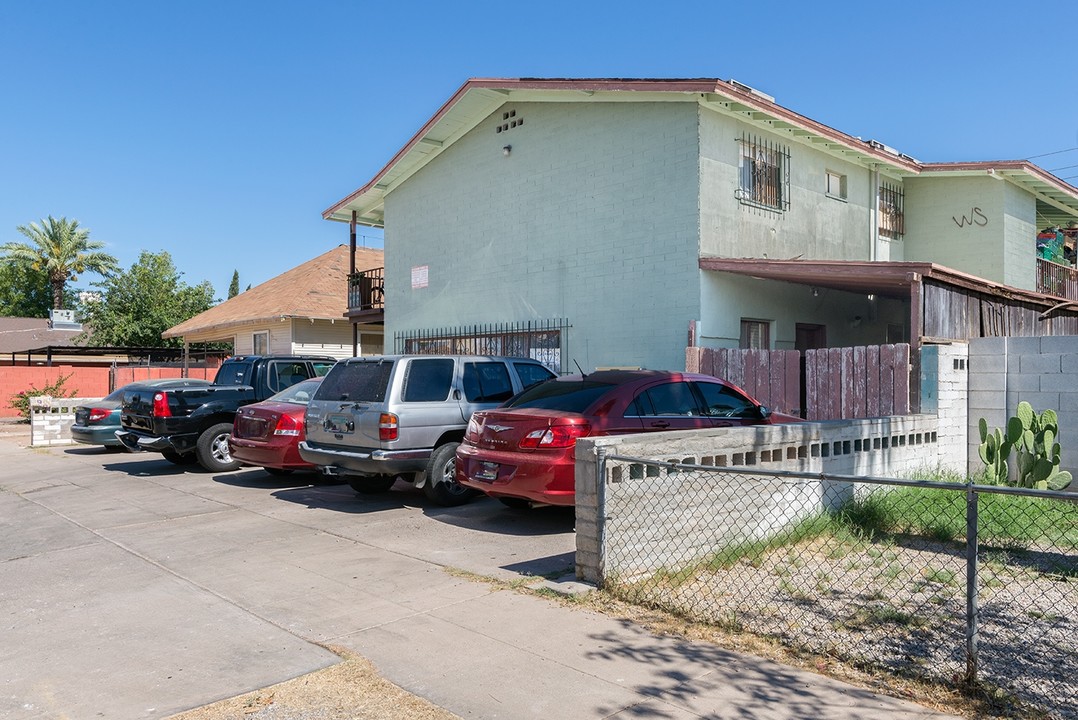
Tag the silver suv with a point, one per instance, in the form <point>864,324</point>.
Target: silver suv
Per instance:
<point>378,418</point>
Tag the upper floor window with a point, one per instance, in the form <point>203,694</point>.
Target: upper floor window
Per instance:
<point>763,173</point>
<point>836,185</point>
<point>892,222</point>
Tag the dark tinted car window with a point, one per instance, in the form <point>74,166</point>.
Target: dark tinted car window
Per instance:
<point>428,380</point>
<point>358,382</point>
<point>286,374</point>
<point>233,373</point>
<point>568,395</point>
<point>487,382</point>
<point>721,401</point>
<point>115,396</point>
<point>673,398</point>
<point>531,373</point>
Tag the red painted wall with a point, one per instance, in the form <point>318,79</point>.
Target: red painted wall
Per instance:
<point>83,381</point>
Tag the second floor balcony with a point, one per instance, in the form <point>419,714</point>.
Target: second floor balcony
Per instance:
<point>366,295</point>
<point>1056,279</point>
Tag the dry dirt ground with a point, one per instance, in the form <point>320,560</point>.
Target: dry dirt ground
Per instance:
<point>349,690</point>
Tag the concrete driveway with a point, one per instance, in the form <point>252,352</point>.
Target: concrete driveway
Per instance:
<point>132,588</point>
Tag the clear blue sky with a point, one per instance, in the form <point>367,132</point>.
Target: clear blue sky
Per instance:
<point>219,131</point>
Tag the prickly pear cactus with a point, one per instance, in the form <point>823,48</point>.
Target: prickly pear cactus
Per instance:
<point>1034,439</point>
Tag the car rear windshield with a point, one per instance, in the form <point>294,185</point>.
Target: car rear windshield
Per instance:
<point>233,373</point>
<point>359,382</point>
<point>569,395</point>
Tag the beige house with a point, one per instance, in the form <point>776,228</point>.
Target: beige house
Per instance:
<point>301,311</point>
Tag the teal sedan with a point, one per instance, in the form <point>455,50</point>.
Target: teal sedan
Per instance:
<point>96,423</point>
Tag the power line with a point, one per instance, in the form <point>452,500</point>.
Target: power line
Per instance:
<point>1057,152</point>
<point>1065,167</point>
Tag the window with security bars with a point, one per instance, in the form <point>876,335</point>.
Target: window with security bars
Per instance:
<point>892,222</point>
<point>763,173</point>
<point>755,334</point>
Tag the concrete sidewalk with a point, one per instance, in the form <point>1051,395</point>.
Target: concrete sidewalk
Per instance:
<point>130,588</point>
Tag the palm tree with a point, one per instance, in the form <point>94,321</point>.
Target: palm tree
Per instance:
<point>62,250</point>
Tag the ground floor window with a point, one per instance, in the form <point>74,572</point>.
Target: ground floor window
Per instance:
<point>261,343</point>
<point>542,340</point>
<point>755,334</point>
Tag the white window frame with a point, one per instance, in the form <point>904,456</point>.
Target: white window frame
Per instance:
<point>254,342</point>
<point>836,185</point>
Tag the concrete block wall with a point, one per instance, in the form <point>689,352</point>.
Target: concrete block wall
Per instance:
<point>1042,371</point>
<point>51,420</point>
<point>899,446</point>
<point>84,381</point>
<point>945,384</point>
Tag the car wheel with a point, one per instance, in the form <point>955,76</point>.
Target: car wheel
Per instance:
<point>179,458</point>
<point>516,503</point>
<point>442,486</point>
<point>278,471</point>
<point>212,449</point>
<point>371,484</point>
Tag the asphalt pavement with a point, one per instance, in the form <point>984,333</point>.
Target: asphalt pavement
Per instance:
<point>132,588</point>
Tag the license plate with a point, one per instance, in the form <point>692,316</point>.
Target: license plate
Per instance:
<point>488,472</point>
<point>339,424</point>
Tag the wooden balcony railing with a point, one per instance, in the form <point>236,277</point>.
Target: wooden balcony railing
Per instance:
<point>1056,279</point>
<point>366,291</point>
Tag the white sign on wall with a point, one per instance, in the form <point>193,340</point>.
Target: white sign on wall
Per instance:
<point>420,276</point>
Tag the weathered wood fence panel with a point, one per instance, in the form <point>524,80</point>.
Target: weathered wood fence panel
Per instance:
<point>843,383</point>
<point>771,376</point>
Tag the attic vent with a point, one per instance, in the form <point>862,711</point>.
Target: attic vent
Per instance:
<point>509,121</point>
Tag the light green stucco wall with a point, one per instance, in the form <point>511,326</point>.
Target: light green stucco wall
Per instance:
<point>979,225</point>
<point>592,217</point>
<point>816,226</point>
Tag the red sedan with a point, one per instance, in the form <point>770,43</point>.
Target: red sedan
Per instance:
<point>524,453</point>
<point>268,433</point>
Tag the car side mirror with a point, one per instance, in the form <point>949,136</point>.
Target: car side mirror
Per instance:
<point>765,412</point>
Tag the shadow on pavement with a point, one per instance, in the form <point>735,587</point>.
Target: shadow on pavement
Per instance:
<point>481,514</point>
<point>258,478</point>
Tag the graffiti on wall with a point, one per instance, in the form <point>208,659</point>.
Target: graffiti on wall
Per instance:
<point>976,217</point>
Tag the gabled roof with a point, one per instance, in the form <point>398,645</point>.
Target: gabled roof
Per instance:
<point>316,290</point>
<point>479,97</point>
<point>22,334</point>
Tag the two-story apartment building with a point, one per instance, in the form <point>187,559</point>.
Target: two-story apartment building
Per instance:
<point>599,222</point>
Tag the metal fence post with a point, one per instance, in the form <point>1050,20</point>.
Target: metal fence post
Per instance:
<point>600,515</point>
<point>972,609</point>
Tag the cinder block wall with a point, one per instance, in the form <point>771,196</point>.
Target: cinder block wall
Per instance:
<point>945,389</point>
<point>898,446</point>
<point>1042,371</point>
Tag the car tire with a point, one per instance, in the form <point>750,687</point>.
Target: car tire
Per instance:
<point>278,471</point>
<point>212,449</point>
<point>371,484</point>
<point>441,485</point>
<point>515,503</point>
<point>179,458</point>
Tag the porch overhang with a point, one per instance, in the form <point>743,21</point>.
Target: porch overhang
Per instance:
<point>885,279</point>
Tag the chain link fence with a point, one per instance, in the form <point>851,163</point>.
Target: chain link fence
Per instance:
<point>947,582</point>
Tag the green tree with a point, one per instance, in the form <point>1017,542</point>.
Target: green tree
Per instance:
<point>25,292</point>
<point>137,305</point>
<point>234,286</point>
<point>61,250</point>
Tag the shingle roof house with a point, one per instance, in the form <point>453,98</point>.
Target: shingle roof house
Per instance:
<point>300,311</point>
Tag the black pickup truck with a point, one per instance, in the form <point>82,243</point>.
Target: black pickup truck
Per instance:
<point>192,424</point>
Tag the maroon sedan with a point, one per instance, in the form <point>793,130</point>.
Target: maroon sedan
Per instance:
<point>524,453</point>
<point>268,433</point>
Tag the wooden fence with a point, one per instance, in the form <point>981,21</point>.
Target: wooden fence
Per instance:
<point>830,384</point>
<point>771,376</point>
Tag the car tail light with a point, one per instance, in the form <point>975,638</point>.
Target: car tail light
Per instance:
<point>472,433</point>
<point>556,436</point>
<point>286,425</point>
<point>98,414</point>
<point>388,426</point>
<point>160,405</point>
